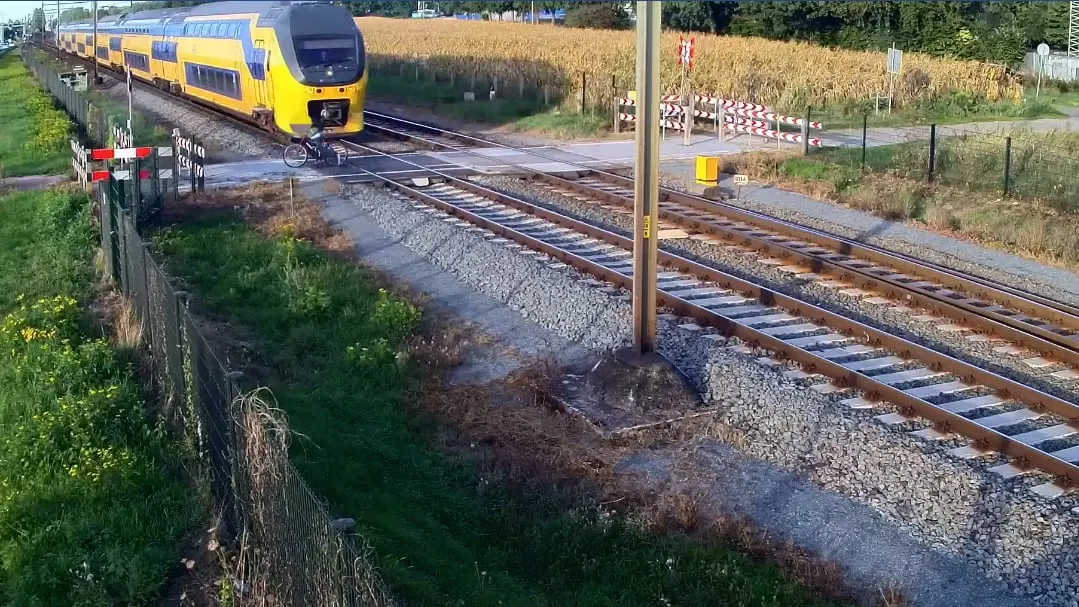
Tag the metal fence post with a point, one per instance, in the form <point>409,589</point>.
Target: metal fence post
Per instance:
<point>932,150</point>
<point>865,132</point>
<point>805,132</point>
<point>1007,165</point>
<point>584,90</point>
<point>201,153</point>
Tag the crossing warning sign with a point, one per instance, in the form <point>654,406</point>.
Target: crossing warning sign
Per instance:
<point>687,50</point>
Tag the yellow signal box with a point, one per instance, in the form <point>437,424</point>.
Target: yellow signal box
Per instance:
<point>708,170</point>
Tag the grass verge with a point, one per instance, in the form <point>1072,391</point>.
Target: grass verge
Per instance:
<point>93,505</point>
<point>1035,227</point>
<point>34,138</point>
<point>516,114</point>
<point>949,109</point>
<point>341,356</point>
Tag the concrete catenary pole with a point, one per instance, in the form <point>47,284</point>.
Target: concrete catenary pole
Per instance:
<point>646,184</point>
<point>94,53</point>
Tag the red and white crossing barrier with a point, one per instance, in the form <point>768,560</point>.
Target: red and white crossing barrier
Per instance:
<point>121,153</point>
<point>83,157</point>
<point>772,116</point>
<point>729,103</point>
<point>627,102</point>
<point>736,116</point>
<point>772,134</point>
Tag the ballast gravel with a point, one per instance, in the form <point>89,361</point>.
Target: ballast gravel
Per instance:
<point>746,266</point>
<point>223,141</point>
<point>951,507</point>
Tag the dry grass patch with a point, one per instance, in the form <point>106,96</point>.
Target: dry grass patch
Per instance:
<point>530,443</point>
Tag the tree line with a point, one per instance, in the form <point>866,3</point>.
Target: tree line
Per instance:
<point>998,32</point>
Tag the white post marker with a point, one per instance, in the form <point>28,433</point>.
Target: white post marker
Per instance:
<point>895,67</point>
<point>1043,53</point>
<point>686,53</point>
<point>130,106</point>
<point>740,180</point>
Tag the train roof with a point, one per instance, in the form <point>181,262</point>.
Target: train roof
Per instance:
<point>264,9</point>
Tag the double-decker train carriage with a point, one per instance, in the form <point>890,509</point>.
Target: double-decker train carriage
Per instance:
<point>277,64</point>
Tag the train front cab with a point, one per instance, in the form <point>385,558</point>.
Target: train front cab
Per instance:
<point>323,66</point>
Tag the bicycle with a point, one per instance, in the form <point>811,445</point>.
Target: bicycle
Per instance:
<point>297,153</point>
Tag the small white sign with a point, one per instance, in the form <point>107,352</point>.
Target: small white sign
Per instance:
<point>741,179</point>
<point>1043,49</point>
<point>895,61</point>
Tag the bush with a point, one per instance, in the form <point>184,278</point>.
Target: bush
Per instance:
<point>600,15</point>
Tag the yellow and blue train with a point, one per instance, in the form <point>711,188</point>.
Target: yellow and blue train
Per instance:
<point>277,64</point>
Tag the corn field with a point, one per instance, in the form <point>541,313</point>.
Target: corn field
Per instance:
<point>785,75</point>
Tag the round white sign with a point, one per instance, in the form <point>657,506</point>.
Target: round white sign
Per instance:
<point>1043,49</point>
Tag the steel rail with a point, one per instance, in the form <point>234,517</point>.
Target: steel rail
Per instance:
<point>1066,473</point>
<point>1061,314</point>
<point>845,244</point>
<point>965,308</point>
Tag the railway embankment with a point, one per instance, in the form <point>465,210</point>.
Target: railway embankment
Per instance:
<point>400,427</point>
<point>94,502</point>
<point>889,508</point>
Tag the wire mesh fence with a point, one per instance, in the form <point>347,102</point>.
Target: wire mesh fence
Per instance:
<point>291,551</point>
<point>1011,161</point>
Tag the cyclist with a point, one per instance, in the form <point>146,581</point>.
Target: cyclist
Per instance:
<point>316,135</point>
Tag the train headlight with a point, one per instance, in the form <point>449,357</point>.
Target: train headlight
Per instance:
<point>329,73</point>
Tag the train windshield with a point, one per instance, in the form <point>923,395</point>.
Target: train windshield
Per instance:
<point>325,52</point>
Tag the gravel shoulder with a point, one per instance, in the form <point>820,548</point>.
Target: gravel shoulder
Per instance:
<point>896,322</point>
<point>888,507</point>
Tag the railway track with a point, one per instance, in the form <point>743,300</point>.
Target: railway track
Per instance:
<point>188,102</point>
<point>415,132</point>
<point>1025,322</point>
<point>958,398</point>
<point>1027,428</point>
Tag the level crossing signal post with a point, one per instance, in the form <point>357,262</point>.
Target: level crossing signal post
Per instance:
<point>646,182</point>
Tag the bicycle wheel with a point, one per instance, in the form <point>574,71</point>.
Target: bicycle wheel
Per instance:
<point>295,155</point>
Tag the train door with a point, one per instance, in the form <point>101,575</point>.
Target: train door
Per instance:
<point>170,68</point>
<point>263,96</point>
<point>263,87</point>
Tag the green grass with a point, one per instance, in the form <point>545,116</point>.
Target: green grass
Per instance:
<point>1056,93</point>
<point>34,135</point>
<point>950,109</point>
<point>442,534</point>
<point>1043,166</point>
<point>447,99</point>
<point>93,508</point>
